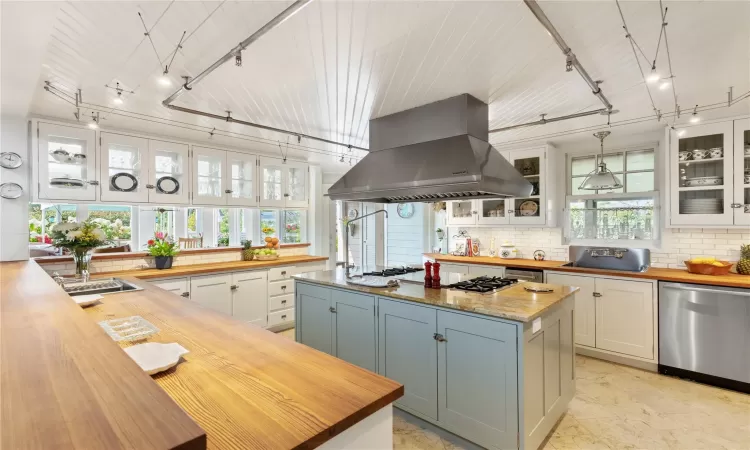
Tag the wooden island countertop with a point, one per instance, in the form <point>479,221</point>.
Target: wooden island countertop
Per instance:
<point>244,387</point>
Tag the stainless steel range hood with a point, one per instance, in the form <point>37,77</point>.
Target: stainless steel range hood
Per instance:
<point>431,153</point>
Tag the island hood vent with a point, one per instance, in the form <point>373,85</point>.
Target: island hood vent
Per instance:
<point>431,153</point>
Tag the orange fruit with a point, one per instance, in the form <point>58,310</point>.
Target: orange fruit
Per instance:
<point>268,239</point>
<point>269,245</point>
<point>275,241</point>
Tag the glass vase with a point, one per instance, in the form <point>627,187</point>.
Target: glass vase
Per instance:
<point>82,258</point>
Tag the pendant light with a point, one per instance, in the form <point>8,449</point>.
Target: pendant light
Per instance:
<point>601,177</point>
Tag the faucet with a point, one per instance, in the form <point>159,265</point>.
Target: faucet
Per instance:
<point>346,237</point>
<point>58,279</point>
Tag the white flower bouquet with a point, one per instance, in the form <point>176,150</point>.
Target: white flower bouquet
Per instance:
<point>79,239</point>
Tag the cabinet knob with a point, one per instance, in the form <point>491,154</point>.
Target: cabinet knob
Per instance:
<point>736,205</point>
<point>93,183</point>
<point>283,272</point>
<point>150,186</point>
<point>227,191</point>
<point>185,294</point>
<point>234,287</point>
<point>597,294</point>
<point>510,211</point>
<point>283,287</point>
<point>286,195</point>
<point>284,316</point>
<point>439,337</point>
<point>332,309</point>
<point>473,212</point>
<point>283,301</point>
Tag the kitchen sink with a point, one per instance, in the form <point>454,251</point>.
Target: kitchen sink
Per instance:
<point>586,266</point>
<point>103,286</point>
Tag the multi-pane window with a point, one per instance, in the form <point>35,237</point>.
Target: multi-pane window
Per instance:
<point>634,168</point>
<point>269,223</point>
<point>293,226</point>
<point>114,220</point>
<point>222,227</point>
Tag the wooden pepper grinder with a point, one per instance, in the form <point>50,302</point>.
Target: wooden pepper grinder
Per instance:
<point>428,274</point>
<point>436,275</point>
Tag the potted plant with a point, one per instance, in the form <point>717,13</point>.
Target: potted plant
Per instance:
<point>79,239</point>
<point>247,250</point>
<point>440,234</point>
<point>163,249</point>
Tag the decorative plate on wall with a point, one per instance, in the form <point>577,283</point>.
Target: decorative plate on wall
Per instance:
<point>123,182</point>
<point>405,210</point>
<point>167,185</point>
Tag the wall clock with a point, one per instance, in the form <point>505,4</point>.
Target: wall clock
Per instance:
<point>352,214</point>
<point>405,210</point>
<point>10,190</point>
<point>10,160</point>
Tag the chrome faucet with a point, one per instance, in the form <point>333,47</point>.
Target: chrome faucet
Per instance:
<point>58,279</point>
<point>346,236</point>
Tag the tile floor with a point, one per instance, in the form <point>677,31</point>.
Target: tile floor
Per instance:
<point>619,407</point>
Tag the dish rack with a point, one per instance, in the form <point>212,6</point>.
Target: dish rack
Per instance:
<point>80,286</point>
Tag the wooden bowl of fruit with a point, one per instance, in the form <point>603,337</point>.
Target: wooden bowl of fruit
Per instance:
<point>708,266</point>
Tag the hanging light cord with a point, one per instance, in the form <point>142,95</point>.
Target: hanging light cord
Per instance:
<point>663,13</point>
<point>148,35</point>
<point>633,45</point>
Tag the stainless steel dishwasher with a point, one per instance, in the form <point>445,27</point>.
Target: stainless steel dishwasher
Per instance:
<point>704,334</point>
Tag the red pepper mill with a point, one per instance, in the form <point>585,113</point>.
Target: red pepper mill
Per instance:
<point>436,275</point>
<point>428,274</point>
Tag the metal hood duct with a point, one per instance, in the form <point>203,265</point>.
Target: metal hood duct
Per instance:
<point>431,153</point>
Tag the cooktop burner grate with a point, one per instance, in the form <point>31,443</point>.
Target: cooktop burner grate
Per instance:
<point>484,284</point>
<point>394,271</point>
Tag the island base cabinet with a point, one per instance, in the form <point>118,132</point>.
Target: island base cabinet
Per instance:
<point>478,379</point>
<point>354,329</point>
<point>314,319</point>
<point>407,353</point>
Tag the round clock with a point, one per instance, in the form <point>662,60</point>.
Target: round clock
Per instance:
<point>10,190</point>
<point>352,214</point>
<point>405,210</point>
<point>10,160</point>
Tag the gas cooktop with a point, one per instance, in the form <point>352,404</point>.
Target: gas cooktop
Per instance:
<point>394,271</point>
<point>484,284</point>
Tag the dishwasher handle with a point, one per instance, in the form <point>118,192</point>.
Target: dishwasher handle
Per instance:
<point>702,289</point>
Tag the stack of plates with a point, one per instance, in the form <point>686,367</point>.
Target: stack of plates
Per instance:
<point>702,206</point>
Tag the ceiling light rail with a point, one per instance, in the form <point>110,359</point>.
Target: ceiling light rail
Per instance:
<point>544,120</point>
<point>236,54</point>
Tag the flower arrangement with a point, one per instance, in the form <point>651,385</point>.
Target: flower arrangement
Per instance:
<point>162,245</point>
<point>79,239</point>
<point>292,228</point>
<point>268,231</point>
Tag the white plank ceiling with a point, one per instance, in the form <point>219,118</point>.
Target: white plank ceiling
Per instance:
<point>334,65</point>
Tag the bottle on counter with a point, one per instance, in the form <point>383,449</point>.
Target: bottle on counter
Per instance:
<point>428,274</point>
<point>436,275</point>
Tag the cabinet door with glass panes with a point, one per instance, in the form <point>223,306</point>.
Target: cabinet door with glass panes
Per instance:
<point>67,163</point>
<point>461,212</point>
<point>492,212</point>
<point>295,184</point>
<point>209,176</point>
<point>241,179</point>
<point>168,180</point>
<point>271,183</point>
<point>124,168</point>
<point>701,175</point>
<point>741,204</point>
<point>530,210</point>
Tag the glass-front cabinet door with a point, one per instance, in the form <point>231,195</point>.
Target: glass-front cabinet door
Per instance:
<point>67,163</point>
<point>701,161</point>
<point>741,204</point>
<point>272,182</point>
<point>295,192</point>
<point>168,172</point>
<point>461,212</point>
<point>209,176</point>
<point>123,168</point>
<point>492,212</point>
<point>530,210</point>
<point>241,171</point>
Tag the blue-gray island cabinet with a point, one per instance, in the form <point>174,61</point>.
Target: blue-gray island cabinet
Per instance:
<point>466,367</point>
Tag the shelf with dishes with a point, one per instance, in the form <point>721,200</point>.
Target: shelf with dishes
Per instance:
<point>61,156</point>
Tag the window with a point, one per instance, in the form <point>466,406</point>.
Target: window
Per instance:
<point>634,168</point>
<point>194,222</point>
<point>269,222</point>
<point>612,219</point>
<point>42,217</point>
<point>222,227</point>
<point>293,226</point>
<point>164,221</point>
<point>115,221</point>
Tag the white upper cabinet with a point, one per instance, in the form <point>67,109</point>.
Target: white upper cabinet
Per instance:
<point>124,167</point>
<point>283,183</point>
<point>168,172</point>
<point>535,209</point>
<point>241,169</point>
<point>66,163</point>
<point>707,166</point>
<point>742,172</point>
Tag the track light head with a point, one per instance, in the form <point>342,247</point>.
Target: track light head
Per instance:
<point>238,59</point>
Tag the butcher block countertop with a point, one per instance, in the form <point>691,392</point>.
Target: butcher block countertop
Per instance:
<point>514,303</point>
<point>66,384</point>
<point>202,269</point>
<point>654,273</point>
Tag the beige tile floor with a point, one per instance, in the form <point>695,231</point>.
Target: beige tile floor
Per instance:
<point>619,407</point>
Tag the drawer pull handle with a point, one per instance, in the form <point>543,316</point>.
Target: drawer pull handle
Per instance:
<point>234,287</point>
<point>283,287</point>
<point>185,294</point>
<point>597,294</point>
<point>439,337</point>
<point>283,301</point>
<point>332,309</point>
<point>283,272</point>
<point>284,316</point>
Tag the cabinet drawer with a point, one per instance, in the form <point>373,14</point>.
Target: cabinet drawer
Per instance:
<point>279,317</point>
<point>280,287</point>
<point>280,302</point>
<point>177,286</point>
<point>280,273</point>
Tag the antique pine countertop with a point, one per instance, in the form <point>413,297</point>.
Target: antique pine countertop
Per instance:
<point>66,384</point>
<point>514,303</point>
<point>653,273</point>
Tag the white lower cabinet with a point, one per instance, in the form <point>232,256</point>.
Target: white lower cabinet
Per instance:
<point>486,271</point>
<point>613,314</point>
<point>177,286</point>
<point>249,297</point>
<point>213,291</point>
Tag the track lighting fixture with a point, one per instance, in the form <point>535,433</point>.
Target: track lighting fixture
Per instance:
<point>164,80</point>
<point>681,133</point>
<point>238,58</point>
<point>653,77</point>
<point>341,159</point>
<point>695,118</point>
<point>94,124</point>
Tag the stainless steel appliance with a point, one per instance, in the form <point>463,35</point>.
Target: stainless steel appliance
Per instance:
<point>483,284</point>
<point>533,275</point>
<point>704,334</point>
<point>391,272</point>
<point>610,258</point>
<point>434,152</point>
